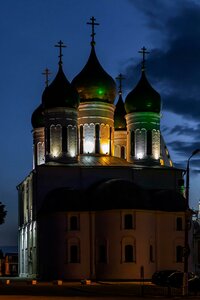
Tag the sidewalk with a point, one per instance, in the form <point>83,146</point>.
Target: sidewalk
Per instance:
<point>136,290</point>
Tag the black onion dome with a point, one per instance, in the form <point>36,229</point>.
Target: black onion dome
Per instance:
<point>119,115</point>
<point>37,118</point>
<point>143,98</point>
<point>60,93</point>
<point>93,83</point>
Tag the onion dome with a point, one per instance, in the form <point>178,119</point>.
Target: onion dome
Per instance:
<point>37,118</point>
<point>93,83</point>
<point>119,115</point>
<point>143,98</point>
<point>60,93</point>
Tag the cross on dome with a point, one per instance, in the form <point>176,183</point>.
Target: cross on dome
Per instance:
<point>60,45</point>
<point>92,23</point>
<point>120,78</point>
<point>46,73</point>
<point>143,51</point>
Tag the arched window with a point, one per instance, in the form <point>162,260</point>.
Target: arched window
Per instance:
<point>128,221</point>
<point>140,142</point>
<point>89,138</point>
<point>128,253</point>
<point>179,253</point>
<point>74,223</point>
<point>74,254</point>
<point>105,137</point>
<point>179,224</point>
<point>40,153</point>
<point>72,140</point>
<point>55,140</point>
<point>156,143</point>
<point>102,254</point>
<point>123,152</point>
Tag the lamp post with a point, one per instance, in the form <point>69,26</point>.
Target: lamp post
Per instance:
<point>186,245</point>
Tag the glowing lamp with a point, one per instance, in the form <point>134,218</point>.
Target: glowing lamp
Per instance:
<point>156,155</point>
<point>140,155</point>
<point>88,147</point>
<point>55,152</point>
<point>105,148</point>
<point>100,91</point>
<point>72,152</point>
<point>162,162</point>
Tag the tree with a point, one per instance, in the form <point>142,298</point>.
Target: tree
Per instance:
<point>3,213</point>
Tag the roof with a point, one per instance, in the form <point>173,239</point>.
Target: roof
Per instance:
<point>94,83</point>
<point>112,194</point>
<point>143,98</point>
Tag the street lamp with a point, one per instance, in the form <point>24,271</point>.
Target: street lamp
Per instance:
<point>186,246</point>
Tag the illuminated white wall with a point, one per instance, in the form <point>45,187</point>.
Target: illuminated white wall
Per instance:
<point>40,153</point>
<point>140,143</point>
<point>91,114</point>
<point>38,147</point>
<point>72,140</point>
<point>55,140</point>
<point>141,123</point>
<point>104,139</point>
<point>120,140</point>
<point>89,138</point>
<point>156,143</point>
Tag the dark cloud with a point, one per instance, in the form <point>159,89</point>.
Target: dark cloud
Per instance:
<point>174,70</point>
<point>183,151</point>
<point>185,129</point>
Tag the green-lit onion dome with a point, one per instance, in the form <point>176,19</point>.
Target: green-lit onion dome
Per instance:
<point>119,115</point>
<point>143,98</point>
<point>37,118</point>
<point>93,83</point>
<point>60,93</point>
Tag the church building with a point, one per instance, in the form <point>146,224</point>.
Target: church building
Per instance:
<point>103,200</point>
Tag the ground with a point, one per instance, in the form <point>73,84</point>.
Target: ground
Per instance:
<point>15,288</point>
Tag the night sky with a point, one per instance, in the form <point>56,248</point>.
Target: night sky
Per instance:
<point>169,29</point>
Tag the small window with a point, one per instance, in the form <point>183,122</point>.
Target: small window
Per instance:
<point>179,224</point>
<point>128,253</point>
<point>102,254</point>
<point>123,152</point>
<point>74,254</point>
<point>74,223</point>
<point>128,221</point>
<point>179,254</point>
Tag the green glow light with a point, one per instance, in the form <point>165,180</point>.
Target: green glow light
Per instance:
<point>149,104</point>
<point>100,91</point>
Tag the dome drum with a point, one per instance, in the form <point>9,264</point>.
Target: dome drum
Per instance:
<point>139,120</point>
